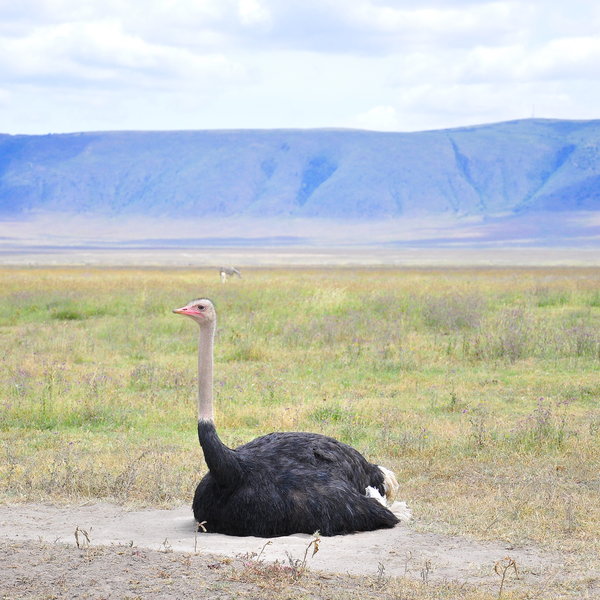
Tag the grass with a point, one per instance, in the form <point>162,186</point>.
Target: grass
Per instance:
<point>480,387</point>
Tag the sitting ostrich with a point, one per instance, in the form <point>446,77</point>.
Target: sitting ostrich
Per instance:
<point>281,483</point>
<point>226,272</point>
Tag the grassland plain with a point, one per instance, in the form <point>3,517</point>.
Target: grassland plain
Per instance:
<point>480,387</point>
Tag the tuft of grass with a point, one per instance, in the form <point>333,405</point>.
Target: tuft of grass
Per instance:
<point>543,430</point>
<point>453,312</point>
<point>331,414</point>
<point>546,296</point>
<point>246,352</point>
<point>593,300</point>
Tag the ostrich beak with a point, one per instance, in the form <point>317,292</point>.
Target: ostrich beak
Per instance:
<point>186,310</point>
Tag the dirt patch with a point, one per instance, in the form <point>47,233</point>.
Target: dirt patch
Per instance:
<point>42,531</point>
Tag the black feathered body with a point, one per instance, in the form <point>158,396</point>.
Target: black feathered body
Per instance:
<point>285,483</point>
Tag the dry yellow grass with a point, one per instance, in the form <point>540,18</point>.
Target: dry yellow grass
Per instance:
<point>480,387</point>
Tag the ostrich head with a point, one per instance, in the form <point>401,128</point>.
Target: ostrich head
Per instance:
<point>201,310</point>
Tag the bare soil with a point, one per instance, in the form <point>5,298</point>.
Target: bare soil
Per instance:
<point>158,554</point>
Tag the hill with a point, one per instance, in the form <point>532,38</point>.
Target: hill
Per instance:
<point>513,170</point>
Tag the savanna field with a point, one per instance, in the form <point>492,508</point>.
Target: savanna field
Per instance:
<point>479,387</point>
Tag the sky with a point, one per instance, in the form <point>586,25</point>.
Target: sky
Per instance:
<point>388,65</point>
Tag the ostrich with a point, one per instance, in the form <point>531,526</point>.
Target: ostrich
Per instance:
<point>226,272</point>
<point>281,483</point>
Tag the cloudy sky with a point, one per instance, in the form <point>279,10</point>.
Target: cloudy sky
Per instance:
<point>396,65</point>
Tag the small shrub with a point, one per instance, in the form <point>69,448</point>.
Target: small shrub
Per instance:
<point>451,313</point>
<point>67,314</point>
<point>509,337</point>
<point>543,429</point>
<point>330,414</point>
<point>584,341</point>
<point>551,297</point>
<point>594,299</point>
<point>478,419</point>
<point>455,404</point>
<point>404,442</point>
<point>246,351</point>
<point>142,377</point>
<point>71,310</point>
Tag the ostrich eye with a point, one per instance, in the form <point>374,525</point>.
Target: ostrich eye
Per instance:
<point>201,306</point>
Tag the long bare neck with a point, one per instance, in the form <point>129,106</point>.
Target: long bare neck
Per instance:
<point>222,461</point>
<point>205,372</point>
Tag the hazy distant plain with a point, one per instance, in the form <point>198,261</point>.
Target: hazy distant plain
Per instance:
<point>68,239</point>
<point>303,257</point>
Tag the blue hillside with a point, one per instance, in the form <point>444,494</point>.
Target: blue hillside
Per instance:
<point>515,167</point>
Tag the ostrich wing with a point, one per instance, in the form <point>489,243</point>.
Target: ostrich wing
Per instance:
<point>318,452</point>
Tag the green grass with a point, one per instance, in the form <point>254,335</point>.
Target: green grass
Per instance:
<point>480,387</point>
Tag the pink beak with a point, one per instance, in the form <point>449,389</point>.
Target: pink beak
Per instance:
<point>185,310</point>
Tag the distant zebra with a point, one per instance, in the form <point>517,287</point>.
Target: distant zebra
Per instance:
<point>226,272</point>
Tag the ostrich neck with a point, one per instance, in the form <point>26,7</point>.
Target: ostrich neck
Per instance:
<point>205,373</point>
<point>221,461</point>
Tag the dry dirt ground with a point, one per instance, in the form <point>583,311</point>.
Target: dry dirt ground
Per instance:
<point>157,554</point>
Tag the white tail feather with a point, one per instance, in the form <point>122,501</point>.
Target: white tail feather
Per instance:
<point>391,487</point>
<point>401,511</point>
<point>371,492</point>
<point>390,484</point>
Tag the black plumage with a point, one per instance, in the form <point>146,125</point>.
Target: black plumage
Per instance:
<point>284,483</point>
<point>280,483</point>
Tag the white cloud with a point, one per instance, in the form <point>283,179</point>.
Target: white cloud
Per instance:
<point>559,59</point>
<point>103,52</point>
<point>564,58</point>
<point>486,21</point>
<point>378,118</point>
<point>454,105</point>
<point>252,12</point>
<point>379,64</point>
